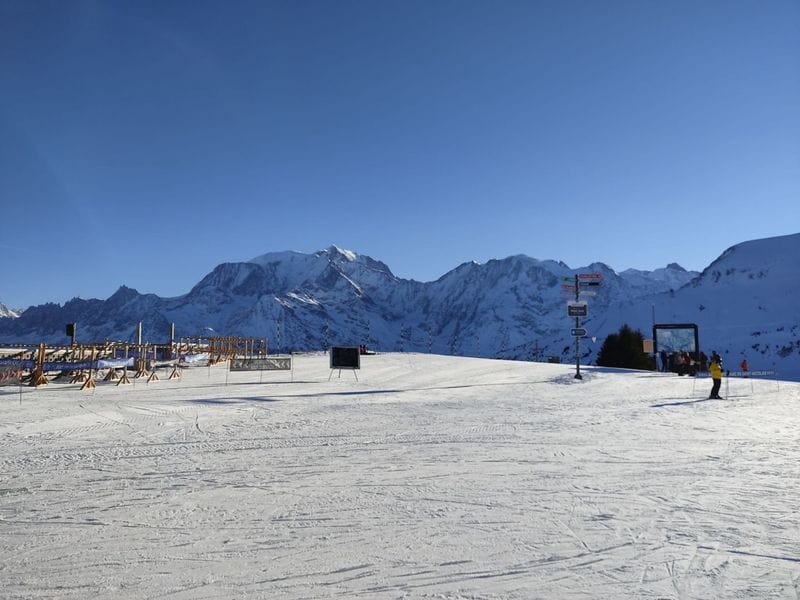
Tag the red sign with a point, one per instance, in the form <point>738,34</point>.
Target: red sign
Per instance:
<point>590,275</point>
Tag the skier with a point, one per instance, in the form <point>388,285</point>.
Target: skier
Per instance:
<point>716,376</point>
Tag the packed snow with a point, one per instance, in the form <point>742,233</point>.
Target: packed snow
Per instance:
<point>424,477</point>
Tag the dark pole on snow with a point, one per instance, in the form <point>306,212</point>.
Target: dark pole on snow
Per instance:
<point>577,337</point>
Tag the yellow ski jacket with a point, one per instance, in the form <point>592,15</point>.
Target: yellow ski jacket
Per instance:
<point>716,370</point>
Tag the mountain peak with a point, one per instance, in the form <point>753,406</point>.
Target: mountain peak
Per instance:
<point>335,252</point>
<point>123,294</point>
<point>275,257</point>
<point>8,312</point>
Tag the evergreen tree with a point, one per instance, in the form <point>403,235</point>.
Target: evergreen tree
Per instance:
<point>624,349</point>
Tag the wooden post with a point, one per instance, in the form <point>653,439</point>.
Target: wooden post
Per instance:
<point>37,376</point>
<point>176,373</point>
<point>80,376</point>
<point>124,379</point>
<point>90,385</point>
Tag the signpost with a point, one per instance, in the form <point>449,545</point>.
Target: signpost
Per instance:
<point>579,308</point>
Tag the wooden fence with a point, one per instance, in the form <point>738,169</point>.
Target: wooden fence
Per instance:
<point>36,364</point>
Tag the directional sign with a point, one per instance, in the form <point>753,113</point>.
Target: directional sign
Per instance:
<point>577,309</point>
<point>590,275</point>
<point>577,332</point>
<point>588,293</point>
<point>568,287</point>
<point>591,282</point>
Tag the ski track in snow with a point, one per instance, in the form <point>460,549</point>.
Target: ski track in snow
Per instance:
<point>430,477</point>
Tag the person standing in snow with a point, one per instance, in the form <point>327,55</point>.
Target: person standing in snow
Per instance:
<point>664,361</point>
<point>716,376</point>
<point>703,362</point>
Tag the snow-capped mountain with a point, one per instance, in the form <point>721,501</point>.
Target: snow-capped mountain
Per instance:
<point>512,308</point>
<point>8,312</point>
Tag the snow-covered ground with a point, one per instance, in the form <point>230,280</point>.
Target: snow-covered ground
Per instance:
<point>429,477</point>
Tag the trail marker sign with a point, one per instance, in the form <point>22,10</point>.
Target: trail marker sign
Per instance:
<point>577,309</point>
<point>577,332</point>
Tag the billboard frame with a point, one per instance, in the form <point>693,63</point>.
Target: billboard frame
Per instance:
<point>693,326</point>
<point>345,357</point>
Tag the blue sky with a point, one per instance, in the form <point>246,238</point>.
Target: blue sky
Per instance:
<point>143,143</point>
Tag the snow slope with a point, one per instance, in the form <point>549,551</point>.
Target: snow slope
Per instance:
<point>429,477</point>
<point>745,304</point>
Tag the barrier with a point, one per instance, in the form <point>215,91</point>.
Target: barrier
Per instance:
<point>262,363</point>
<point>751,374</point>
<point>32,363</point>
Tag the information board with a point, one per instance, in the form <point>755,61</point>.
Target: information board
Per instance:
<point>345,358</point>
<point>676,337</point>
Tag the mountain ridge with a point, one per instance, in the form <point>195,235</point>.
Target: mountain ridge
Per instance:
<point>508,308</point>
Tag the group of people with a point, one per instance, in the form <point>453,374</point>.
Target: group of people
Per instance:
<point>684,363</point>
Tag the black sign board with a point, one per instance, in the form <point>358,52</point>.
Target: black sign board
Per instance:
<point>577,309</point>
<point>345,358</point>
<point>71,330</point>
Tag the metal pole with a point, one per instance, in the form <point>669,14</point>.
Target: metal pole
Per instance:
<point>577,337</point>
